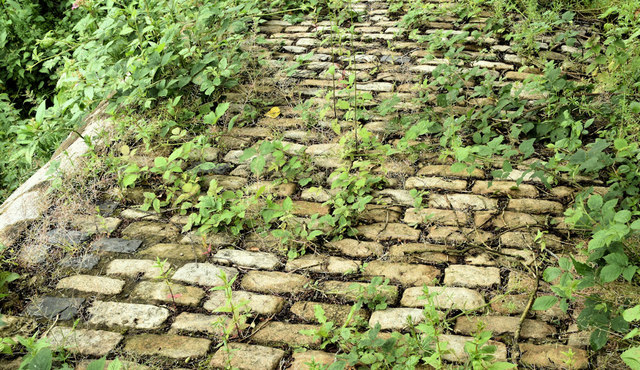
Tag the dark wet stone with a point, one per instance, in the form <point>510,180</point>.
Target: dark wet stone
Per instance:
<point>397,60</point>
<point>85,262</point>
<point>106,208</point>
<point>116,245</point>
<point>218,169</point>
<point>66,237</point>
<point>50,307</point>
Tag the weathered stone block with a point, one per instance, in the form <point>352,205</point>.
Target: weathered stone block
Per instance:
<point>274,282</point>
<point>471,276</point>
<point>443,298</point>
<point>247,357</point>
<point>130,315</point>
<point>172,346</point>
<point>91,284</point>
<point>405,273</point>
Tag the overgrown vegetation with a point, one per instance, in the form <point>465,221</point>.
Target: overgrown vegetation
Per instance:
<point>583,122</point>
<point>573,114</point>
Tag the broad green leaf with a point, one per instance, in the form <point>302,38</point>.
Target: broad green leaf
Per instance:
<point>595,202</point>
<point>42,360</point>
<point>544,303</point>
<point>622,216</point>
<point>551,273</point>
<point>598,339</point>
<point>129,179</point>
<point>631,357</point>
<point>115,364</point>
<point>458,167</point>
<point>97,364</point>
<point>42,108</point>
<point>632,314</point>
<point>610,273</point>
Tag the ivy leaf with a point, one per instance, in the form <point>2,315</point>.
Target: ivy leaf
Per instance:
<point>544,303</point>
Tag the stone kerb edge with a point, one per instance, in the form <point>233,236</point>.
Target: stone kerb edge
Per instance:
<point>28,202</point>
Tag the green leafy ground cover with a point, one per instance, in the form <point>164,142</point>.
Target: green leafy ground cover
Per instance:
<point>169,63</point>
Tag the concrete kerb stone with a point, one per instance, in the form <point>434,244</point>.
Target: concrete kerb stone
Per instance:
<point>28,202</point>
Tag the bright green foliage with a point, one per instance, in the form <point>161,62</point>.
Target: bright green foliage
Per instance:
<point>132,53</point>
<point>220,210</point>
<point>585,126</point>
<point>421,344</point>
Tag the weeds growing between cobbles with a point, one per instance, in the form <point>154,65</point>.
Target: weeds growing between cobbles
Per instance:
<point>172,62</point>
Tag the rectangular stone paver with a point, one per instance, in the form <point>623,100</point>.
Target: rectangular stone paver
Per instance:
<point>159,291</point>
<point>462,202</point>
<point>172,346</point>
<point>91,284</point>
<point>333,312</point>
<point>252,302</point>
<point>499,325</point>
<point>130,315</point>
<point>54,307</point>
<point>535,206</point>
<point>175,251</point>
<point>274,282</point>
<point>435,183</point>
<point>116,245</point>
<point>259,260</point>
<point>309,360</point>
<point>151,232</point>
<point>471,276</point>
<point>444,298</point>
<point>350,290</point>
<point>390,231</point>
<point>201,323</point>
<point>279,333</point>
<point>422,252</point>
<point>133,268</point>
<point>86,342</point>
<point>204,274</point>
<point>455,235</point>
<point>445,170</point>
<point>247,357</point>
<point>405,273</point>
<point>552,356</point>
<point>455,348</point>
<point>357,248</point>
<point>509,188</point>
<point>435,216</point>
<point>396,318</point>
<point>323,264</point>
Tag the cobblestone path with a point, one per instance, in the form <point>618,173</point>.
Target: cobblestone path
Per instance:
<point>474,241</point>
